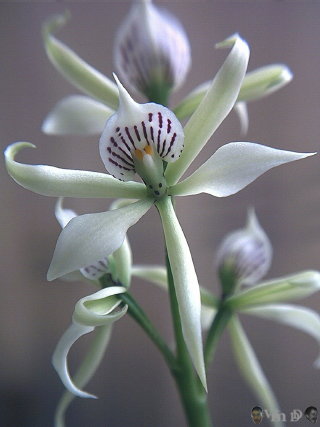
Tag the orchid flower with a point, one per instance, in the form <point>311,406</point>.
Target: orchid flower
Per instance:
<point>240,254</point>
<point>85,115</point>
<point>139,139</point>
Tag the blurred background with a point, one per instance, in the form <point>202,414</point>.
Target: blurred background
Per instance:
<point>133,384</point>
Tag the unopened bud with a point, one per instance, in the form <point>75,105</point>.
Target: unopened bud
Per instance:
<point>151,51</point>
<point>244,256</point>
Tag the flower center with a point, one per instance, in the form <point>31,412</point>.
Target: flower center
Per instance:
<point>137,139</point>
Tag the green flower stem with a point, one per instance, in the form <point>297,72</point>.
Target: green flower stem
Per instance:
<point>136,312</point>
<point>141,318</point>
<point>192,393</point>
<point>220,321</point>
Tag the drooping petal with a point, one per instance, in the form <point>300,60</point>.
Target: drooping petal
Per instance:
<point>298,317</point>
<point>186,285</point>
<point>232,167</point>
<point>86,371</point>
<point>91,237</point>
<point>151,49</point>
<point>257,84</point>
<point>137,126</point>
<point>76,115</point>
<point>214,107</point>
<point>94,310</point>
<point>59,358</point>
<point>76,70</point>
<point>251,370</point>
<point>293,287</point>
<point>56,182</point>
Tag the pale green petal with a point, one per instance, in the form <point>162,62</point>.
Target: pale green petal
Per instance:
<point>298,317</point>
<point>214,107</point>
<point>86,371</point>
<point>186,285</point>
<point>76,115</point>
<point>91,237</point>
<point>242,110</point>
<point>94,310</point>
<point>293,287</point>
<point>122,257</point>
<point>56,182</point>
<point>251,370</point>
<point>257,84</point>
<point>232,167</point>
<point>155,274</point>
<point>76,70</point>
<point>264,81</point>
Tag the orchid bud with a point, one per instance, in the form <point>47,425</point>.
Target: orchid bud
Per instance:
<point>244,256</point>
<point>152,52</point>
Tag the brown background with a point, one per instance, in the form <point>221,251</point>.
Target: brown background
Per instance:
<point>133,384</point>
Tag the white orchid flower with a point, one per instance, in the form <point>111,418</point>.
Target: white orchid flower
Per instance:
<point>137,140</point>
<point>82,115</point>
<point>151,50</point>
<point>245,257</point>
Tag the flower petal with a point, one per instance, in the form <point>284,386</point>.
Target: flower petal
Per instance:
<point>76,115</point>
<point>91,311</point>
<point>88,238</point>
<point>296,286</point>
<point>76,70</point>
<point>155,274</point>
<point>298,317</point>
<point>250,368</point>
<point>56,182</point>
<point>256,84</point>
<point>232,167</point>
<point>214,107</point>
<point>186,285</point>
<point>86,371</point>
<point>242,111</point>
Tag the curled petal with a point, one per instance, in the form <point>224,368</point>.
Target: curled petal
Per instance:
<point>250,368</point>
<point>59,358</point>
<point>86,371</point>
<point>94,310</point>
<point>56,182</point>
<point>91,237</point>
<point>76,115</point>
<point>293,287</point>
<point>232,167</point>
<point>186,285</point>
<point>215,106</point>
<point>75,69</point>
<point>298,317</point>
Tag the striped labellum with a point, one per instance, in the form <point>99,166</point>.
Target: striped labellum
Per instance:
<point>137,138</point>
